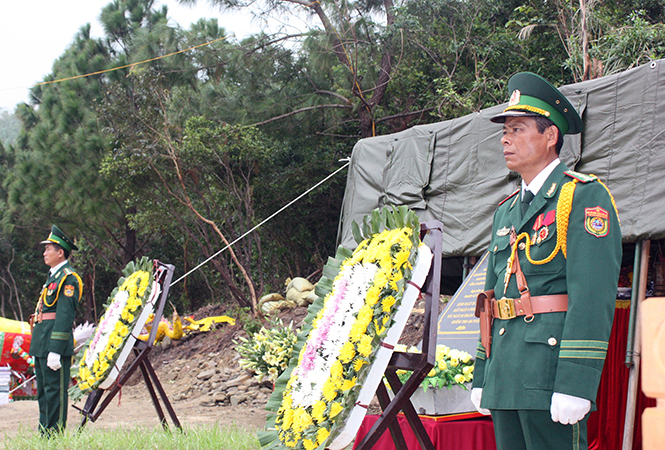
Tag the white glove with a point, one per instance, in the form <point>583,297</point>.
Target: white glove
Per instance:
<point>53,361</point>
<point>567,409</point>
<point>476,397</point>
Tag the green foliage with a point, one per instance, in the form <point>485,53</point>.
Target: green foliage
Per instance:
<point>249,322</point>
<point>268,351</point>
<point>636,42</point>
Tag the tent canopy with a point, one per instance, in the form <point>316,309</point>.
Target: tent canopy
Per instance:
<point>454,171</point>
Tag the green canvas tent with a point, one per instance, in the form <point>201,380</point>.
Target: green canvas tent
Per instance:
<point>454,171</point>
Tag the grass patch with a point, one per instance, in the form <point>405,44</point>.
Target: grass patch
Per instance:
<point>204,437</point>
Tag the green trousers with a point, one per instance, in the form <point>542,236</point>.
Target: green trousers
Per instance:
<point>535,430</point>
<point>52,388</point>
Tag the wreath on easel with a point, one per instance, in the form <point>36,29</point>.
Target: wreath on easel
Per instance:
<point>359,295</point>
<point>115,327</point>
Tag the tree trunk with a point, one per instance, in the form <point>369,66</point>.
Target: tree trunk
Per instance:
<point>586,73</point>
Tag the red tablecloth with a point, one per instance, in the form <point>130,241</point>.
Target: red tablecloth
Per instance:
<point>452,435</point>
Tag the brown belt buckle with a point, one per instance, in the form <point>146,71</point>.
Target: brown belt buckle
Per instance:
<point>506,307</point>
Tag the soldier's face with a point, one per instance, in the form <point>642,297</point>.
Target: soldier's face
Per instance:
<point>52,255</point>
<point>525,149</point>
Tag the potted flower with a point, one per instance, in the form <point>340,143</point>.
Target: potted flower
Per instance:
<point>445,390</point>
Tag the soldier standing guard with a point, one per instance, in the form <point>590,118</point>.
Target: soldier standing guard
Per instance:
<point>52,343</point>
<point>552,274</point>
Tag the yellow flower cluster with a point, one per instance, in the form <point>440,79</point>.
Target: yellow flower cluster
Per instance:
<point>89,377</point>
<point>452,366</point>
<point>308,427</point>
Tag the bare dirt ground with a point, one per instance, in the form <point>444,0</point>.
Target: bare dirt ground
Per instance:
<point>179,366</point>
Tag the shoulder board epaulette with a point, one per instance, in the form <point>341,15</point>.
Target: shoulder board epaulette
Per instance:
<point>509,197</point>
<point>581,177</point>
<point>67,271</point>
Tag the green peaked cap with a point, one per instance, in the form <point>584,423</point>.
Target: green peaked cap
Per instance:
<point>58,237</point>
<point>532,95</point>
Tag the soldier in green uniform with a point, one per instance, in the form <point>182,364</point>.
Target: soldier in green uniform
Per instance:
<point>552,274</point>
<point>52,341</point>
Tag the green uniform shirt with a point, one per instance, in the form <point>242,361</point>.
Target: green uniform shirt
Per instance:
<point>62,292</point>
<point>556,352</point>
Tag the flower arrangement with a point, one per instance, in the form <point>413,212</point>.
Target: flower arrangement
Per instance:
<point>359,295</point>
<point>267,352</point>
<point>125,305</point>
<point>453,367</point>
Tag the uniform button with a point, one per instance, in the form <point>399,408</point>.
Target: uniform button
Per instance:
<point>496,247</point>
<point>552,341</point>
<point>522,246</point>
<point>501,331</point>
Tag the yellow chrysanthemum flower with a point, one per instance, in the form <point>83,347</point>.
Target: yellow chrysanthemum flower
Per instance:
<point>318,409</point>
<point>335,409</point>
<point>432,373</point>
<point>356,332</point>
<point>454,362</point>
<point>358,364</point>
<point>309,444</point>
<point>329,391</point>
<point>287,420</point>
<point>459,378</point>
<point>337,370</point>
<point>348,384</point>
<point>402,257</point>
<point>381,278</point>
<point>365,346</point>
<point>387,303</point>
<point>301,420</point>
<point>372,297</point>
<point>365,316</point>
<point>322,434</point>
<point>347,352</point>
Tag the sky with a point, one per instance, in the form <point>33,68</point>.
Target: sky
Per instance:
<point>34,33</point>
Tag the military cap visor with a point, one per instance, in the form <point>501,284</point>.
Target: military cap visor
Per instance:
<point>58,237</point>
<point>532,96</point>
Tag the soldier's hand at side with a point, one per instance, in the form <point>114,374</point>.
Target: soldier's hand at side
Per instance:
<point>53,361</point>
<point>476,397</point>
<point>568,409</point>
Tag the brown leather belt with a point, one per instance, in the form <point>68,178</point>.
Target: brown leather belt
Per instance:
<point>509,308</point>
<point>48,316</point>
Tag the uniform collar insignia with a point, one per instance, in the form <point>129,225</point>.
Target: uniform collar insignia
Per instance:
<point>503,232</point>
<point>550,192</point>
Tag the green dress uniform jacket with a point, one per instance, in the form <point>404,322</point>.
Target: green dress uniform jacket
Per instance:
<point>60,295</point>
<point>560,351</point>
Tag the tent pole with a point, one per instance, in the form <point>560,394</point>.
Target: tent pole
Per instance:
<point>633,303</point>
<point>634,345</point>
